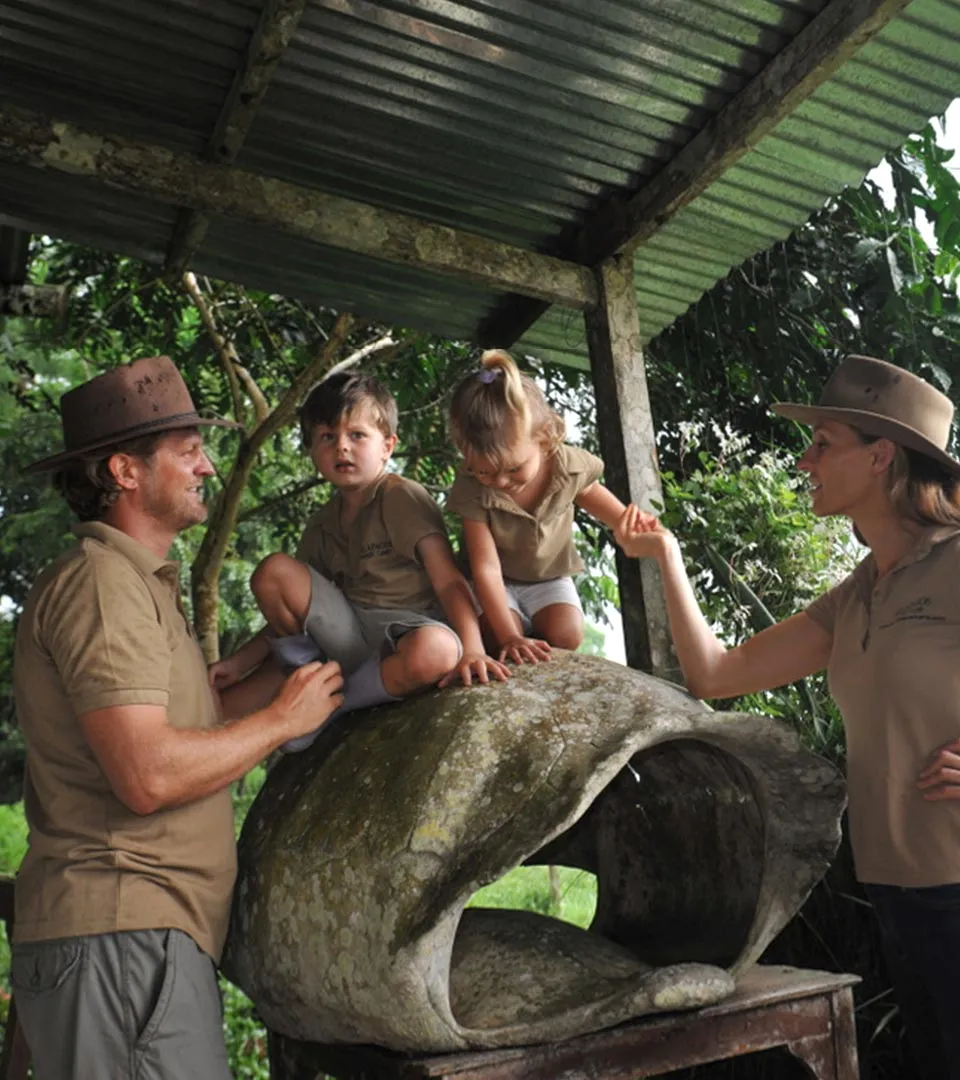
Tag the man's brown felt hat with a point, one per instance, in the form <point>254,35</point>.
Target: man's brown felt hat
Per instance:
<point>143,398</point>
<point>884,400</point>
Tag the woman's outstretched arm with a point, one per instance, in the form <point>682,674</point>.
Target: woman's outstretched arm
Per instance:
<point>780,655</point>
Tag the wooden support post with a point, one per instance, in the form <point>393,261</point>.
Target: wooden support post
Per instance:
<point>628,444</point>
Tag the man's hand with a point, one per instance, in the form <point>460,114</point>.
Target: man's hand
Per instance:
<point>941,778</point>
<point>525,650</point>
<point>639,534</point>
<point>478,664</point>
<point>307,698</point>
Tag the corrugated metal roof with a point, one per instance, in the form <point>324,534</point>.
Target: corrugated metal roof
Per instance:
<point>909,73</point>
<point>512,119</point>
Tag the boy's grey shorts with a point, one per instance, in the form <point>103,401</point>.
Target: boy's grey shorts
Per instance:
<point>349,633</point>
<point>526,598</point>
<point>139,1003</point>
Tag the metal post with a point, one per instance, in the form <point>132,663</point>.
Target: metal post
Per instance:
<point>628,445</point>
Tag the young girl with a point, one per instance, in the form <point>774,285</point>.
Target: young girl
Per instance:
<point>516,492</point>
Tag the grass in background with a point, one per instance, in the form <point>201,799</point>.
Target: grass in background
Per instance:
<point>563,893</point>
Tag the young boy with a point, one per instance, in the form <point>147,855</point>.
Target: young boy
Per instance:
<point>374,584</point>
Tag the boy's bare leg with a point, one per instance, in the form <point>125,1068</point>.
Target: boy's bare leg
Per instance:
<point>422,658</point>
<point>253,693</point>
<point>281,586</point>
<point>559,624</point>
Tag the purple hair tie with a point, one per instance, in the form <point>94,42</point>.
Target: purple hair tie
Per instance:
<point>487,375</point>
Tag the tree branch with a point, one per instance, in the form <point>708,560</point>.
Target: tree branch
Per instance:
<point>227,354</point>
<point>268,504</point>
<point>192,289</point>
<point>385,344</point>
<point>205,572</point>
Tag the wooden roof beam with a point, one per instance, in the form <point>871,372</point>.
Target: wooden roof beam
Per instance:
<point>176,179</point>
<point>276,26</point>
<point>626,220</point>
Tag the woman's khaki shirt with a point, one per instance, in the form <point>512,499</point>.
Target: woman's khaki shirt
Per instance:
<point>894,671</point>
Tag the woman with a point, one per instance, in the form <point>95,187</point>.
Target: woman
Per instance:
<point>889,637</point>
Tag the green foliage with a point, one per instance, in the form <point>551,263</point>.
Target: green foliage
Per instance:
<point>13,837</point>
<point>13,845</point>
<point>244,793</point>
<point>244,1035</point>
<point>756,554</point>
<point>593,641</point>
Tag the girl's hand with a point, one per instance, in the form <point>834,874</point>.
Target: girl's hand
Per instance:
<point>478,664</point>
<point>525,650</point>
<point>224,673</point>
<point>639,534</point>
<point>941,778</point>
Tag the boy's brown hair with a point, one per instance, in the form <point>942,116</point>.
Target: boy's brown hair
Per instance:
<point>342,394</point>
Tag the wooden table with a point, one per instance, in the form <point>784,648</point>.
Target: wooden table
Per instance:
<point>809,1013</point>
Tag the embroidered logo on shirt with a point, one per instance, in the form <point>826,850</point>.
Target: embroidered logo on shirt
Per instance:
<point>915,611</point>
<point>379,547</point>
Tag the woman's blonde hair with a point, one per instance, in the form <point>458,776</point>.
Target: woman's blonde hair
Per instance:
<point>497,405</point>
<point>920,489</point>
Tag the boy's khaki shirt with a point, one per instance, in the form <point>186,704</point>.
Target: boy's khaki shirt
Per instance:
<point>103,626</point>
<point>374,561</point>
<point>894,671</point>
<point>533,545</point>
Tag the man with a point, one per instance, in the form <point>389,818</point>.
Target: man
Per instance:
<point>123,897</point>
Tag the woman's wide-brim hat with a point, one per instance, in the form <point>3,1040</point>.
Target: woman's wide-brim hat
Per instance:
<point>884,400</point>
<point>143,398</point>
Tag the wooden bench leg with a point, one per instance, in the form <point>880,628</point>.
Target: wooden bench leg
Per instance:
<point>833,1056</point>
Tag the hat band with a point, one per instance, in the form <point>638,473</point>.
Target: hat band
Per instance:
<point>143,428</point>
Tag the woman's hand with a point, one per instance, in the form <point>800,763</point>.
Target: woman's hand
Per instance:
<point>478,664</point>
<point>640,535</point>
<point>525,650</point>
<point>941,778</point>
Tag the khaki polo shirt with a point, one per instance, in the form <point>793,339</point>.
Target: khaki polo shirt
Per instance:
<point>103,626</point>
<point>894,671</point>
<point>533,545</point>
<point>374,561</point>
